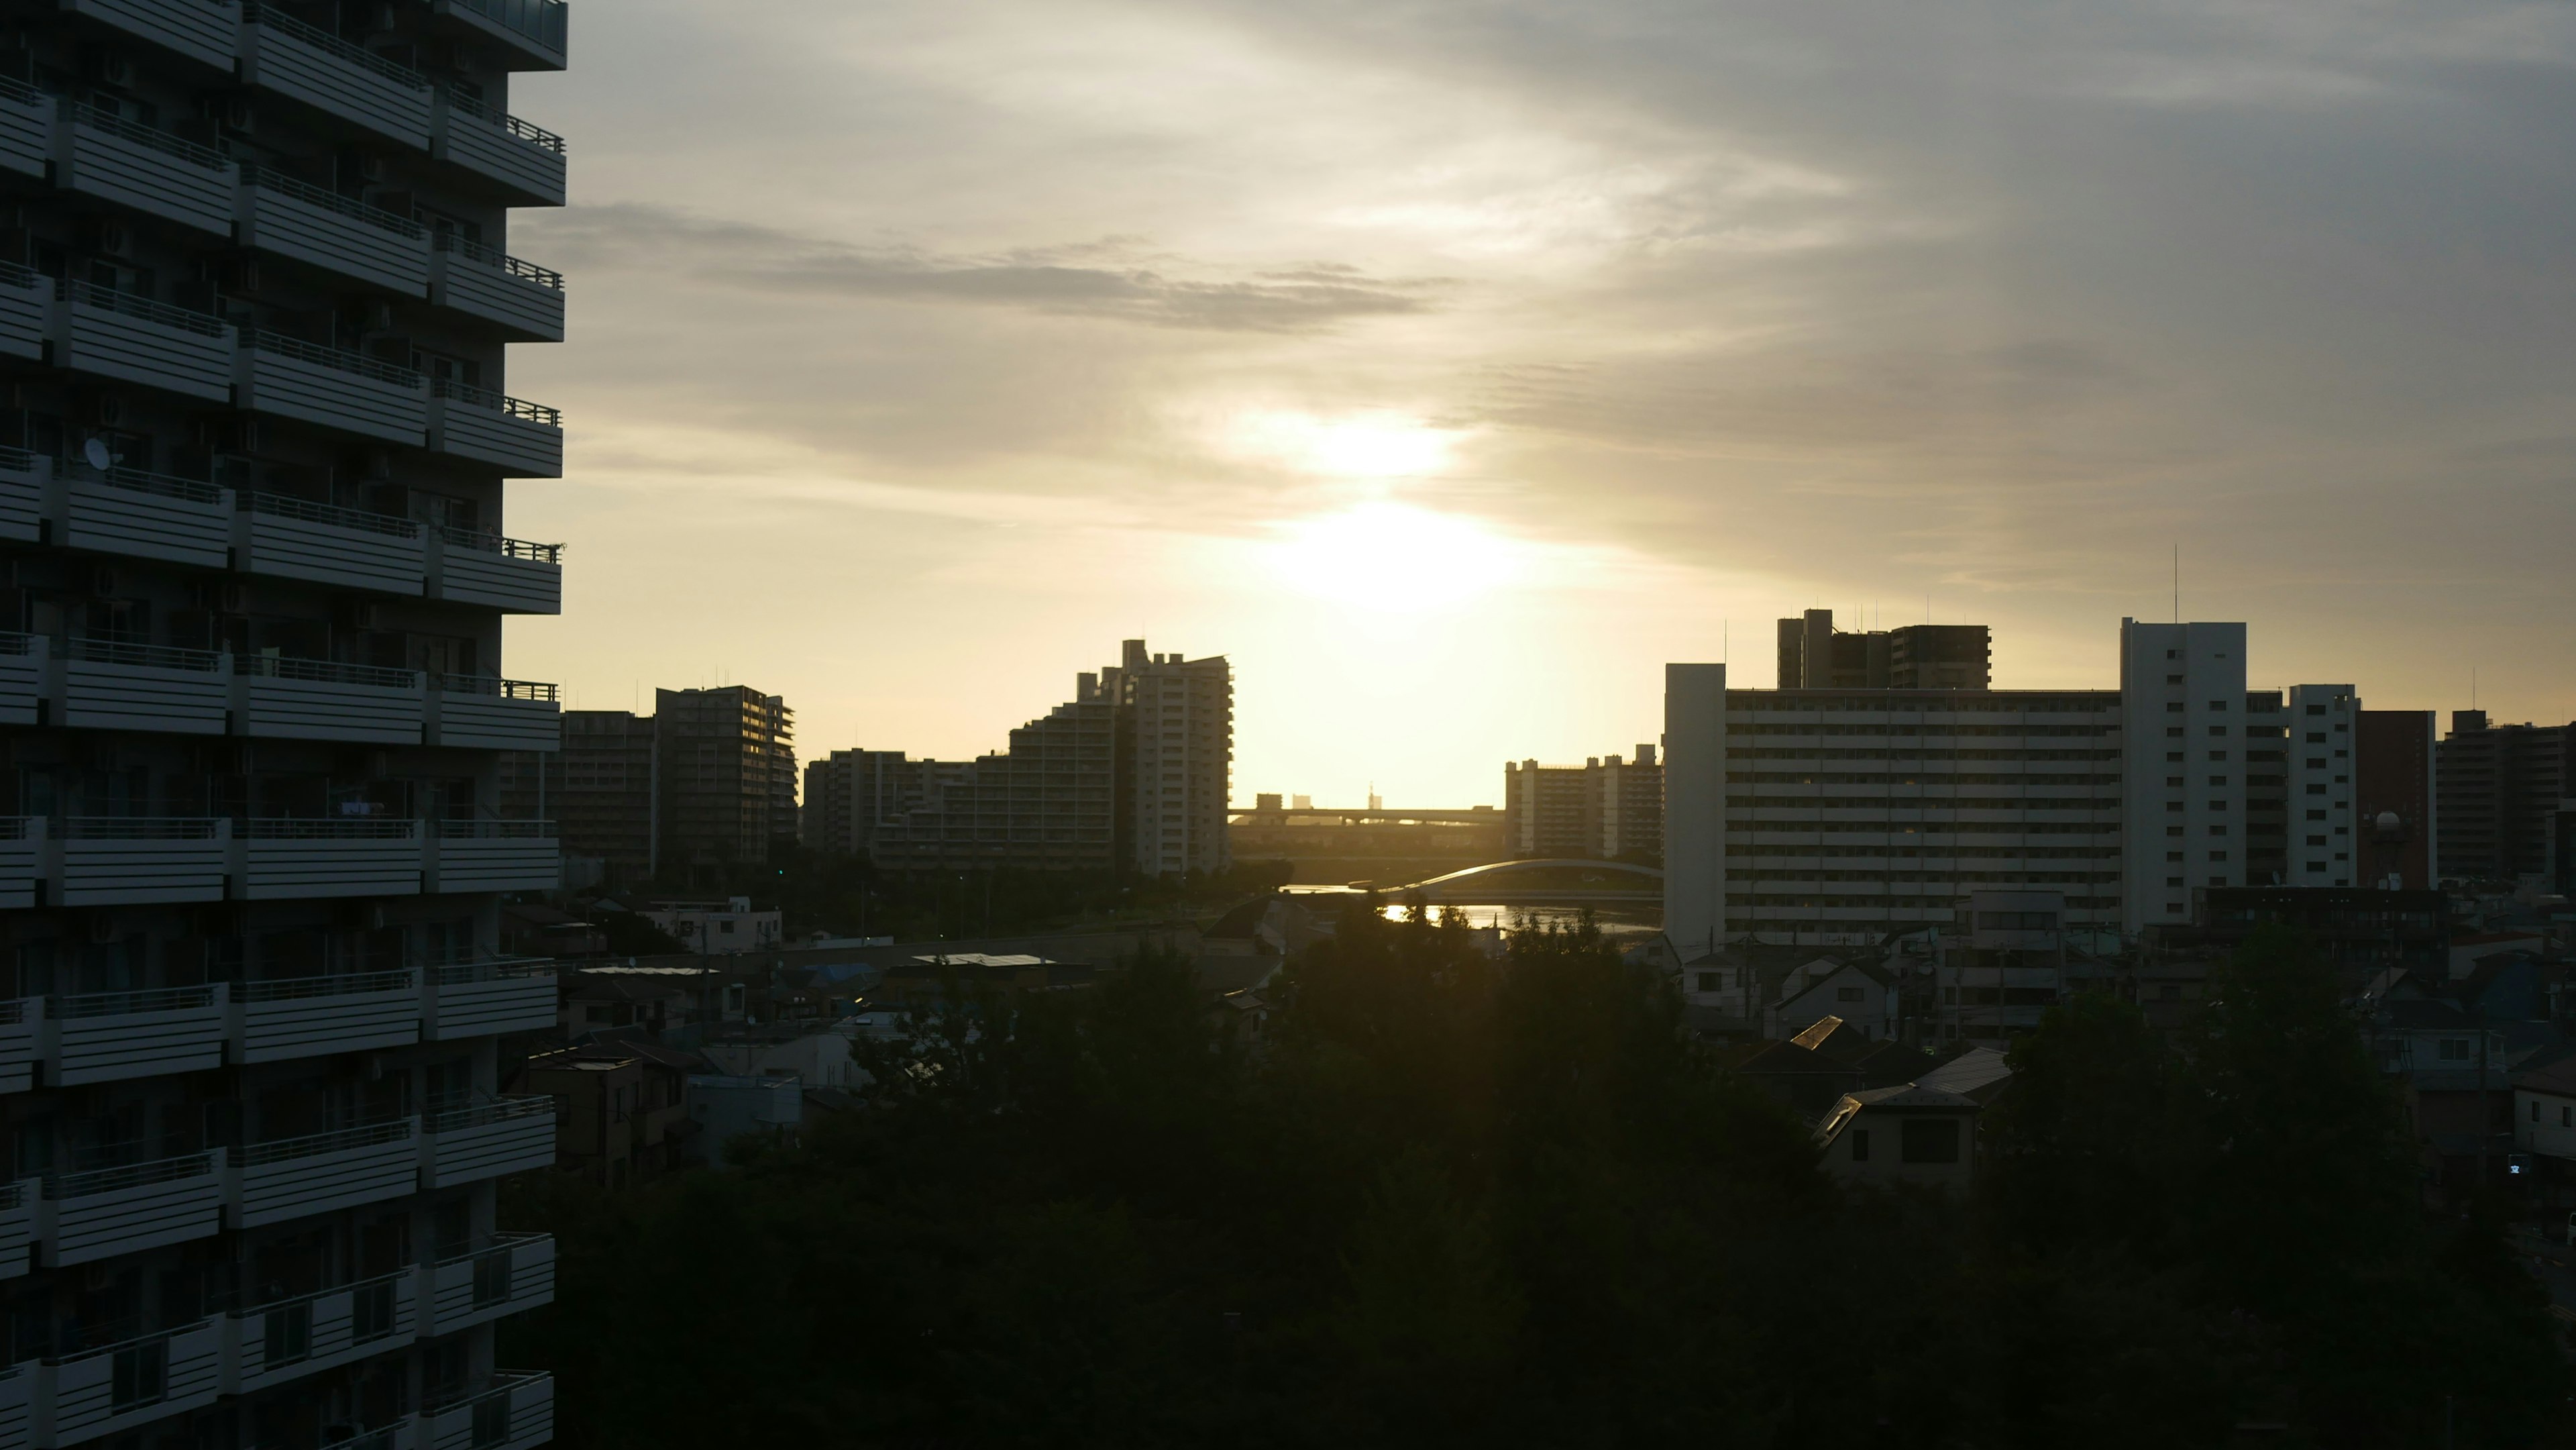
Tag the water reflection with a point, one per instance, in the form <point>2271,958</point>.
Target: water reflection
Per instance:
<point>1614,922</point>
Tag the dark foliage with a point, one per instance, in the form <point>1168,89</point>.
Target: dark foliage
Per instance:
<point>1451,1199</point>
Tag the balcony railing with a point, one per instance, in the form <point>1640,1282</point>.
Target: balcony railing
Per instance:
<point>25,321</point>
<point>515,1412</point>
<point>111,1211</point>
<point>503,689</point>
<point>114,1387</point>
<point>287,667</point>
<point>127,336</point>
<point>135,860</point>
<point>539,25</point>
<point>269,178</point>
<point>281,506</point>
<point>488,1140</point>
<point>482,998</point>
<point>481,713</point>
<point>299,539</point>
<point>525,161</point>
<point>501,403</point>
<point>94,650</point>
<point>144,167</point>
<point>148,515</point>
<point>134,304</point>
<point>535,135</point>
<point>526,300</point>
<point>24,508</point>
<point>26,128</point>
<point>332,357</point>
<point>206,31</point>
<point>510,1273</point>
<point>339,234</point>
<point>525,439</point>
<point>323,40</point>
<point>496,544</point>
<point>309,64</point>
<point>494,257</point>
<point>319,1172</point>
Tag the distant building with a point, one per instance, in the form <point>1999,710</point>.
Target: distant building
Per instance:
<point>717,928</point>
<point>2499,792</point>
<point>1907,1134</point>
<point>1605,808</point>
<point>598,786</point>
<point>1813,655</point>
<point>2322,747</point>
<point>1180,758</point>
<point>850,793</point>
<point>725,776</point>
<point>2394,824</point>
<point>2005,969</point>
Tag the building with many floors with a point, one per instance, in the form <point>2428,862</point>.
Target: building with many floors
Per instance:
<point>1814,655</point>
<point>1608,807</point>
<point>2501,790</point>
<point>255,296</point>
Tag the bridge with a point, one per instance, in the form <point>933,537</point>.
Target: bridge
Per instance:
<point>1541,883</point>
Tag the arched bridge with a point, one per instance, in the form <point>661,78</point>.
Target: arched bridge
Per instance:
<point>1540,883</point>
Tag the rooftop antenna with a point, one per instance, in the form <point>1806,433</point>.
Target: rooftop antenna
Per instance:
<point>2177,582</point>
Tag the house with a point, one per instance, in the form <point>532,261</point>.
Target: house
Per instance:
<point>620,1111</point>
<point>1904,1134</point>
<point>811,1054</point>
<point>2544,1129</point>
<point>1812,1071</point>
<point>1980,1074</point>
<point>1861,996</point>
<point>533,929</point>
<point>2469,948</point>
<point>717,927</point>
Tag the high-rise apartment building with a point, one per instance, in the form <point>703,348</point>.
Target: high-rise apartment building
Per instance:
<point>1813,655</point>
<point>2322,748</point>
<point>1131,774</point>
<point>254,304</point>
<point>725,778</point>
<point>1842,815</point>
<point>598,789</point>
<point>2500,788</point>
<point>851,793</point>
<point>2392,803</point>
<point>1605,808</point>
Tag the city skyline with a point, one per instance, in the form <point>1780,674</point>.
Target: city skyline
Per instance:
<point>1443,384</point>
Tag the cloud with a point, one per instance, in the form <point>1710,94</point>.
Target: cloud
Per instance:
<point>1301,298</point>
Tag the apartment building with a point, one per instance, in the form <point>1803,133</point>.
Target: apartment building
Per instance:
<point>254,301</point>
<point>850,793</point>
<point>724,781</point>
<point>2500,790</point>
<point>597,788</point>
<point>1131,774</point>
<point>2392,807</point>
<point>2322,746</point>
<point>1813,655</point>
<point>1605,808</point>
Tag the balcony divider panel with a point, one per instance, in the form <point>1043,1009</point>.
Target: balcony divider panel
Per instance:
<point>145,169</point>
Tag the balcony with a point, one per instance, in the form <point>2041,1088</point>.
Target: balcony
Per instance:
<point>311,1016</point>
<point>22,1042</point>
<point>18,1229</point>
<point>475,712</point>
<point>22,863</point>
<point>26,309</point>
<point>18,1384</point>
<point>287,217</point>
<point>114,1036</point>
<point>25,479</point>
<point>287,860</point>
<point>525,299</point>
<point>22,678</point>
<point>527,162</point>
<point>274,1343</point>
<point>148,515</point>
<point>482,999</point>
<point>26,129</point>
<point>119,1387</point>
<point>522,439</point>
<point>145,169</point>
<point>108,685</point>
<point>516,1412</point>
<point>514,1272</point>
<point>509,1135</point>
<point>296,539</point>
<point>495,856</point>
<point>514,575</point>
<point>298,1177</point>
<point>134,339</point>
<point>202,30</point>
<point>141,860</point>
<point>111,1211</point>
<point>320,700</point>
<point>284,56</point>
<point>532,30</point>
<point>331,387</point>
<point>402,1434</point>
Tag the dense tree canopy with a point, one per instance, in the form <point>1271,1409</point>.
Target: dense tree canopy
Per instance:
<point>1448,1197</point>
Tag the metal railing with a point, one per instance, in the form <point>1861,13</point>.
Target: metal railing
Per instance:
<point>14,275</point>
<point>193,490</point>
<point>96,651</point>
<point>13,1013</point>
<point>17,460</point>
<point>508,548</point>
<point>131,1340</point>
<point>278,505</point>
<point>13,643</point>
<point>500,1110</point>
<point>268,179</point>
<point>338,1140</point>
<point>13,1195</point>
<point>381,1439</point>
<point>127,1004</point>
<point>142,828</point>
<point>493,830</point>
<point>134,304</point>
<point>534,135</point>
<point>545,277</point>
<point>498,402</point>
<point>504,689</point>
<point>331,357</point>
<point>320,39</point>
<point>347,984</point>
<point>487,1244</point>
<point>491,969</point>
<point>329,828</point>
<point>21,92</point>
<point>61,1186</point>
<point>540,20</point>
<point>159,140</point>
<point>282,667</point>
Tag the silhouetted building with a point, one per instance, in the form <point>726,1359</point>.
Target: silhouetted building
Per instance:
<point>1815,656</point>
<point>2498,790</point>
<point>725,776</point>
<point>599,788</point>
<point>1605,808</point>
<point>851,793</point>
<point>2393,817</point>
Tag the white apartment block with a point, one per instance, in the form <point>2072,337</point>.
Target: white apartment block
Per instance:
<point>1180,757</point>
<point>2184,727</point>
<point>255,298</point>
<point>2319,773</point>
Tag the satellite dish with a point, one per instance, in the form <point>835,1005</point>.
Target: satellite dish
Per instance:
<point>96,452</point>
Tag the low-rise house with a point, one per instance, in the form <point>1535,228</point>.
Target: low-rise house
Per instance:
<point>621,1112</point>
<point>717,928</point>
<point>1863,998</point>
<point>1904,1134</point>
<point>2544,1130</point>
<point>1812,1071</point>
<point>1981,1074</point>
<point>815,1055</point>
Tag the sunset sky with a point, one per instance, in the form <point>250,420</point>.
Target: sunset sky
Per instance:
<point>1452,366</point>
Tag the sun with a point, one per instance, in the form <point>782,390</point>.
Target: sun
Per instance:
<point>1394,558</point>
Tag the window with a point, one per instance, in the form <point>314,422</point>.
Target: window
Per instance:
<point>2172,731</point>
<point>2173,679</point>
<point>2218,732</point>
<point>2317,866</point>
<point>2316,840</point>
<point>1860,1145</point>
<point>2535,1110</point>
<point>2316,815</point>
<point>2316,709</point>
<point>2174,756</point>
<point>2217,755</point>
<point>2175,708</point>
<point>2218,707</point>
<point>2173,881</point>
<point>1928,1140</point>
<point>1708,981</point>
<point>2174,781</point>
<point>2566,1117</point>
<point>2316,737</point>
<point>2455,1049</point>
<point>1846,994</point>
<point>2218,780</point>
